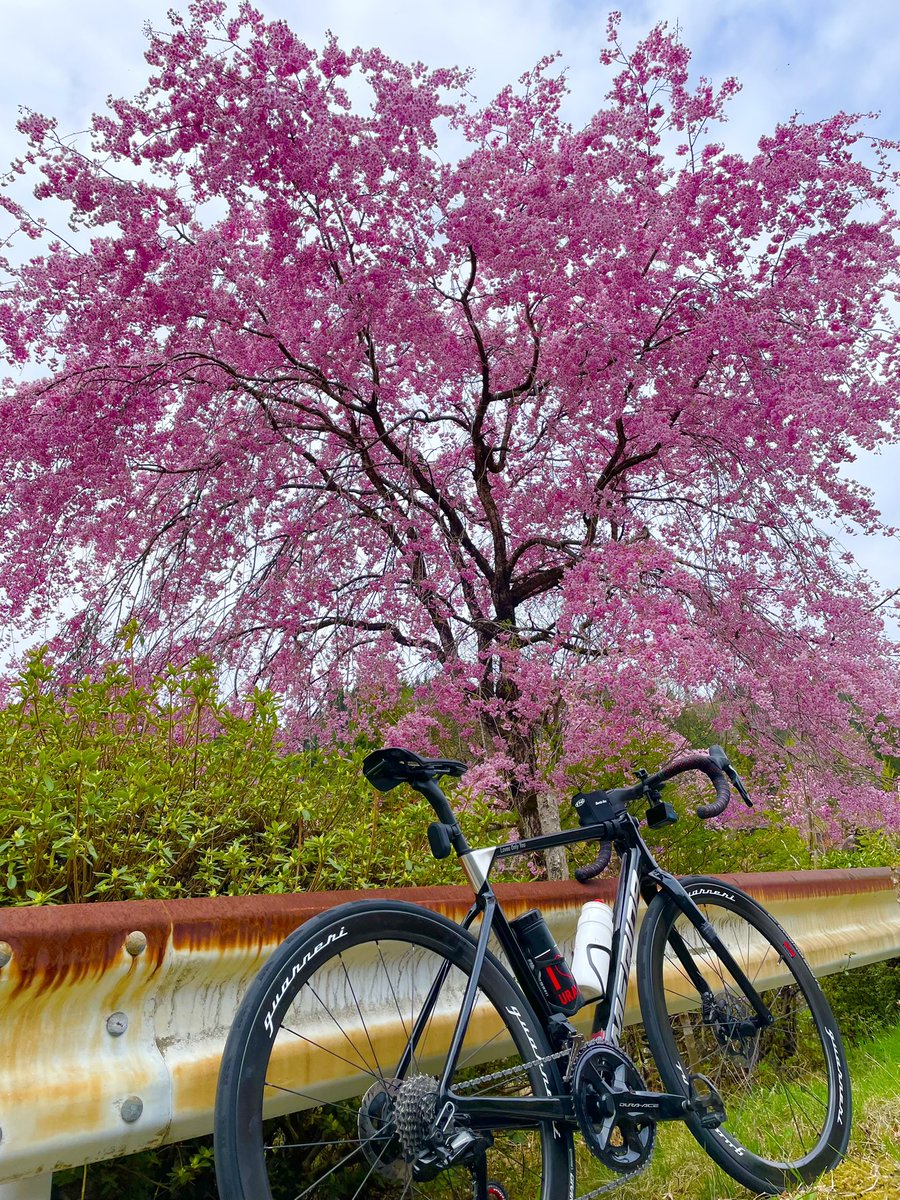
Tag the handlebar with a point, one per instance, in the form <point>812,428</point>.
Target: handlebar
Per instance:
<point>704,763</point>
<point>597,867</point>
<point>714,765</point>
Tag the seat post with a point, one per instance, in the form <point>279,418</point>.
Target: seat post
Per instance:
<point>431,790</point>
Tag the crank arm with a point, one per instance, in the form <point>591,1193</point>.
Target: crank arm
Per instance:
<point>703,1100</point>
<point>650,1106</point>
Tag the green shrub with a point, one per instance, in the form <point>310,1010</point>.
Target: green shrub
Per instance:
<point>114,791</point>
<point>184,1171</point>
<point>865,1000</point>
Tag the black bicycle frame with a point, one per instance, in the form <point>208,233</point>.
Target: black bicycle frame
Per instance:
<point>640,876</point>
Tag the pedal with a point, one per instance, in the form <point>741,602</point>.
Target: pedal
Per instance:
<point>707,1104</point>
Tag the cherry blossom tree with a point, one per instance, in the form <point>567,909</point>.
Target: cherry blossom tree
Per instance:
<point>526,434</point>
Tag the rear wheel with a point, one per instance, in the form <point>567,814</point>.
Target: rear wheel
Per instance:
<point>786,1088</point>
<point>317,1099</point>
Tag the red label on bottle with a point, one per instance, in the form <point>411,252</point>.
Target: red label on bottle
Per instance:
<point>560,986</point>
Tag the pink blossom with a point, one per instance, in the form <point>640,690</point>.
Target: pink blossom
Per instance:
<point>526,453</point>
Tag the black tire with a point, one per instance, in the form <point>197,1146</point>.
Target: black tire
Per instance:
<point>787,1088</point>
<point>308,997</point>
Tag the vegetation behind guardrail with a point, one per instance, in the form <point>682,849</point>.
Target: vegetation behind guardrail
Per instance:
<point>113,789</point>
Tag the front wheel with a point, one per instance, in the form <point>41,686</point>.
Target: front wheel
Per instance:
<point>786,1087</point>
<point>328,1084</point>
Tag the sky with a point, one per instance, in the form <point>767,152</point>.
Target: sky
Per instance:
<point>63,58</point>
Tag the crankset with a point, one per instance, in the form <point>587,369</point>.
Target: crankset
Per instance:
<point>604,1079</point>
<point>617,1115</point>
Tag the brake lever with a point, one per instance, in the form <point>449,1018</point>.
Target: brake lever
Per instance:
<point>720,758</point>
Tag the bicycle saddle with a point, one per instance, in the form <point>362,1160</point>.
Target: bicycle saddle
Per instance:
<point>385,769</point>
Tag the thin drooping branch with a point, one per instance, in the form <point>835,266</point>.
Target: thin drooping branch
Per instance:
<point>531,449</point>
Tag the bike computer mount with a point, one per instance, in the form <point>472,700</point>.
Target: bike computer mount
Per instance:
<point>593,808</point>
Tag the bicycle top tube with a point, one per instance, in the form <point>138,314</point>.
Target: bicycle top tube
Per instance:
<point>385,769</point>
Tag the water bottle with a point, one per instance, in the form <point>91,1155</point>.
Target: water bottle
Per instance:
<point>593,943</point>
<point>544,957</point>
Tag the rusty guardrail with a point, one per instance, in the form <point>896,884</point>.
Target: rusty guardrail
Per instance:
<point>113,1016</point>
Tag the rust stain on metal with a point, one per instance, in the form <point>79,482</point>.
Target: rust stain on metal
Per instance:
<point>64,944</point>
<point>772,886</point>
<point>194,1082</point>
<point>248,922</point>
<point>56,945</point>
<point>254,922</point>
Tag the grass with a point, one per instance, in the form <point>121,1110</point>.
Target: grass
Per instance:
<point>681,1171</point>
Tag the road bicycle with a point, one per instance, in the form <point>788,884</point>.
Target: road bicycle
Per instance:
<point>386,1051</point>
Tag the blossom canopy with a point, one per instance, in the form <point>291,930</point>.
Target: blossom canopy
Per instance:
<point>379,393</point>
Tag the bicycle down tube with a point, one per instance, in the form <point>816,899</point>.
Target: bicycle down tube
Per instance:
<point>639,872</point>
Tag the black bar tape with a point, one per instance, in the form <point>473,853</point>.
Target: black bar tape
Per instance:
<point>702,762</point>
<point>598,866</point>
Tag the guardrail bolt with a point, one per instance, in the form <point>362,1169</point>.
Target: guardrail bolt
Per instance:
<point>132,1107</point>
<point>116,1024</point>
<point>136,943</point>
<point>5,953</point>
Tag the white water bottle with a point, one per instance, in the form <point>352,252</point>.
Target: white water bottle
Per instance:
<point>593,943</point>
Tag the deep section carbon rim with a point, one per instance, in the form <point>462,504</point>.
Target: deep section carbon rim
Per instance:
<point>786,1088</point>
<point>315,1100</point>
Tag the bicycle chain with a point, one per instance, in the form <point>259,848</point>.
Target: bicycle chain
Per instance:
<point>571,1053</point>
<point>467,1085</point>
<point>615,1184</point>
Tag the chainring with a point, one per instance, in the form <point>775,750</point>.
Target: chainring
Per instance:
<point>625,1144</point>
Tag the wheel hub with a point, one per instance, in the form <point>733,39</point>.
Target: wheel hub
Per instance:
<point>731,1019</point>
<point>378,1130</point>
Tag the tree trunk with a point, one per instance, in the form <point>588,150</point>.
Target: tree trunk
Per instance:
<point>537,815</point>
<point>556,859</point>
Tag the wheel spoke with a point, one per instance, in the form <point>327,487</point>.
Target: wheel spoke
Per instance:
<point>332,1053</point>
<point>775,1080</point>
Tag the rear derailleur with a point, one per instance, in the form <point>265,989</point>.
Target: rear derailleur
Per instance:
<point>405,1137</point>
